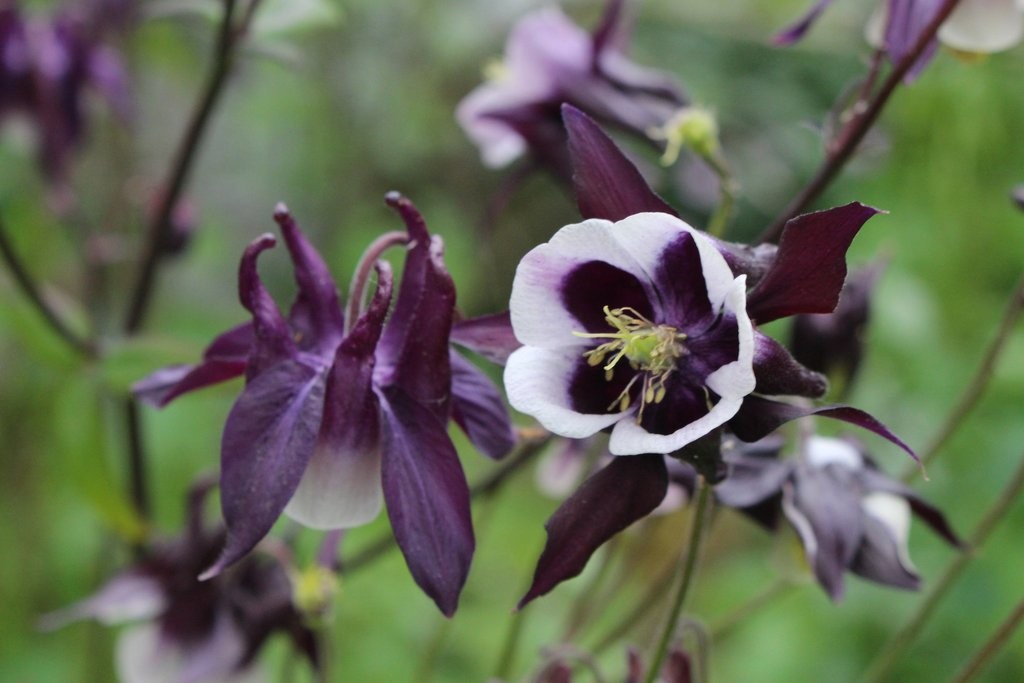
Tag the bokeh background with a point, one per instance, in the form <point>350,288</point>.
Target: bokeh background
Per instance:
<point>329,118</point>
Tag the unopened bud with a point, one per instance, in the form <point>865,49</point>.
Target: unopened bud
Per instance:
<point>692,127</point>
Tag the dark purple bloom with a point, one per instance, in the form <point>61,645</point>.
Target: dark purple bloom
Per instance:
<point>46,66</point>
<point>634,321</point>
<point>549,60</point>
<point>192,631</point>
<point>833,343</point>
<point>849,515</point>
<point>339,416</point>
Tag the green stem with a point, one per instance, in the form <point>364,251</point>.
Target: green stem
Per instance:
<point>992,645</point>
<point>728,188</point>
<point>898,643</point>
<point>689,560</point>
<point>35,297</point>
<point>724,626</point>
<point>585,602</point>
<point>510,647</point>
<point>649,601</point>
<point>978,383</point>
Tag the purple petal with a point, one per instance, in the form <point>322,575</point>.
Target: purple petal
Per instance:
<point>128,596</point>
<point>489,335</point>
<point>478,408</point>
<point>592,285</point>
<point>268,439</point>
<point>810,267</point>
<point>824,507</point>
<point>759,417</point>
<point>317,302</point>
<point>609,33</point>
<point>627,489</point>
<point>682,289</point>
<point>907,19</point>
<point>778,373</point>
<point>341,485</point>
<point>879,557</point>
<point>413,276</point>
<point>925,511</point>
<point>272,339</point>
<point>796,31</point>
<point>752,480</point>
<point>607,184</point>
<point>427,498</point>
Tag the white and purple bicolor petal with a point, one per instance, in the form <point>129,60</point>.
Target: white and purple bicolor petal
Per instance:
<point>984,26</point>
<point>660,271</point>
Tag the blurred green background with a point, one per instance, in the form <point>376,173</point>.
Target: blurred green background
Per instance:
<point>331,117</point>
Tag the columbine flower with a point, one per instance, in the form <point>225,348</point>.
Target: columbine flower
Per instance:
<point>331,411</point>
<point>634,321</point>
<point>187,631</point>
<point>975,26</point>
<point>550,60</point>
<point>849,515</point>
<point>45,68</point>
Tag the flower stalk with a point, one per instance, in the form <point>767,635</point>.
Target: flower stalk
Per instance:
<point>689,566</point>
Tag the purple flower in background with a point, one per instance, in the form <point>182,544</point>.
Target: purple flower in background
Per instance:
<point>549,60</point>
<point>339,416</point>
<point>849,515</point>
<point>975,26</point>
<point>189,631</point>
<point>46,66</point>
<point>635,322</point>
<point>833,343</point>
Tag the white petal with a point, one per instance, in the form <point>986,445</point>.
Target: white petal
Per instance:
<point>537,383</point>
<point>126,597</point>
<point>645,236</point>
<point>538,315</point>
<point>629,438</point>
<point>894,513</point>
<point>874,30</point>
<point>821,451</point>
<point>339,489</point>
<point>736,379</point>
<point>983,26</point>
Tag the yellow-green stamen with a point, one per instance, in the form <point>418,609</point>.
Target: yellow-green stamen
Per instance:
<point>652,350</point>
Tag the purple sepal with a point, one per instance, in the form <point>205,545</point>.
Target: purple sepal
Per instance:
<point>427,498</point>
<point>828,500</point>
<point>607,184</point>
<point>922,509</point>
<point>628,488</point>
<point>272,340</point>
<point>478,409</point>
<point>796,30</point>
<point>223,359</point>
<point>907,20</point>
<point>489,335</point>
<point>810,267</point>
<point>779,374</point>
<point>760,416</point>
<point>879,557</point>
<point>268,439</point>
<point>610,33</point>
<point>316,311</point>
<point>414,274</point>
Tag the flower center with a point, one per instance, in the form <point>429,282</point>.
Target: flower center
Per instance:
<point>652,350</point>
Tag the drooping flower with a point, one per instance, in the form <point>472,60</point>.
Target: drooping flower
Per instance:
<point>339,416</point>
<point>634,321</point>
<point>975,26</point>
<point>549,61</point>
<point>849,515</point>
<point>187,631</point>
<point>46,67</point>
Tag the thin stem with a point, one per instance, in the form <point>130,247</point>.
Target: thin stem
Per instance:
<point>728,188</point>
<point>357,289</point>
<point>857,127</point>
<point>137,469</point>
<point>898,643</point>
<point>181,167</point>
<point>33,293</point>
<point>585,602</point>
<point>510,645</point>
<point>992,645</point>
<point>980,381</point>
<point>689,567</point>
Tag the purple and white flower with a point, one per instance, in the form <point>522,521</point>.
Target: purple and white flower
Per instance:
<point>549,60</point>
<point>638,325</point>
<point>849,515</point>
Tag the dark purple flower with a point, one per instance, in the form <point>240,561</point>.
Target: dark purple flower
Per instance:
<point>849,515</point>
<point>634,321</point>
<point>339,416</point>
<point>190,631</point>
<point>550,60</point>
<point>46,66</point>
<point>833,343</point>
